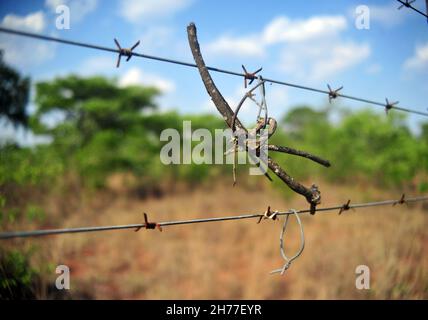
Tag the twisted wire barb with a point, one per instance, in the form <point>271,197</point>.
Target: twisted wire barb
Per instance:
<point>37,233</point>
<point>193,65</point>
<point>124,52</point>
<point>408,4</point>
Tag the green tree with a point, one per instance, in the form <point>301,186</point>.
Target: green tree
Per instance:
<point>306,129</point>
<point>423,142</point>
<point>302,121</point>
<point>369,144</point>
<point>100,128</point>
<point>14,93</point>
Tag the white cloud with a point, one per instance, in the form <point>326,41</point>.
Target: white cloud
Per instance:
<point>385,15</point>
<point>321,61</point>
<point>239,46</point>
<point>78,8</point>
<point>135,76</point>
<point>138,11</point>
<point>310,48</point>
<point>341,57</point>
<point>282,29</point>
<point>314,49</point>
<point>97,65</point>
<point>20,52</point>
<point>374,69</point>
<point>32,22</point>
<point>157,37</point>
<point>279,30</point>
<point>25,138</point>
<point>277,99</point>
<point>419,60</point>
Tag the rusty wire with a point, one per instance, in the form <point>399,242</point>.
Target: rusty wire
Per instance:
<point>268,214</point>
<point>38,233</point>
<point>245,75</point>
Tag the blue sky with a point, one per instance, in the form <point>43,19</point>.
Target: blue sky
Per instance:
<point>308,42</point>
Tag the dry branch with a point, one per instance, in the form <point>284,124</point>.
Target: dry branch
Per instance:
<point>312,194</point>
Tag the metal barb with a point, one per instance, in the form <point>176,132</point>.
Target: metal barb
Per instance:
<point>406,4</point>
<point>124,51</point>
<point>390,105</point>
<point>333,94</point>
<point>268,214</point>
<point>345,207</point>
<point>149,225</point>
<point>250,76</point>
<point>401,201</point>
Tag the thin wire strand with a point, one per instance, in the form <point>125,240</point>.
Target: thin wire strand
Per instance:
<point>37,233</point>
<point>288,260</point>
<point>408,5</point>
<point>187,64</point>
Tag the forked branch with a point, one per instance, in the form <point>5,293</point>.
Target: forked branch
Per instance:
<point>312,194</point>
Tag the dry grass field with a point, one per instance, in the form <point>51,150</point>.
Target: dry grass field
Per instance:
<point>232,260</point>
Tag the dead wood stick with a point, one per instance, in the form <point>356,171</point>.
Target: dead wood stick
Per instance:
<point>299,153</point>
<point>312,195</point>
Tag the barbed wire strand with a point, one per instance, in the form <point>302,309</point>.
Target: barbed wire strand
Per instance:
<point>408,4</point>
<point>37,233</point>
<point>214,69</point>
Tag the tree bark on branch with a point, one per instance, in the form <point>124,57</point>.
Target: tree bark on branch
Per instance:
<point>312,195</point>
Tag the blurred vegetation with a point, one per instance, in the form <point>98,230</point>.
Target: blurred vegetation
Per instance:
<point>99,129</point>
<point>14,93</point>
<point>363,146</point>
<point>17,277</point>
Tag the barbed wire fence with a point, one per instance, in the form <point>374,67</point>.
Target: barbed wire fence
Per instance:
<point>332,94</point>
<point>160,225</point>
<point>312,194</point>
<point>268,214</point>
